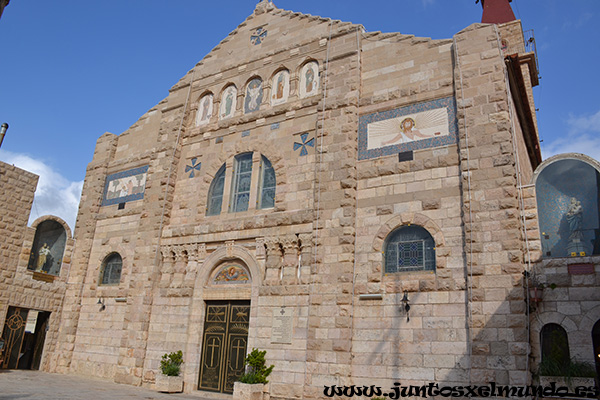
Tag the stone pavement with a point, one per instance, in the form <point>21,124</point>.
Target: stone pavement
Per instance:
<point>21,384</point>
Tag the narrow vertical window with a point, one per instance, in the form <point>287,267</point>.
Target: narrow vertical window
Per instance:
<point>266,191</point>
<point>215,193</point>
<point>242,175</point>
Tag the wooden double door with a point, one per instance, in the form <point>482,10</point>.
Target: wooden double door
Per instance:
<point>24,334</point>
<point>224,344</point>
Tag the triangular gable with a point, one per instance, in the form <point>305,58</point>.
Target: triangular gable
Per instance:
<point>266,31</point>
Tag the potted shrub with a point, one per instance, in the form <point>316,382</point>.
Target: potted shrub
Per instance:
<point>169,380</point>
<point>251,385</point>
<point>570,374</point>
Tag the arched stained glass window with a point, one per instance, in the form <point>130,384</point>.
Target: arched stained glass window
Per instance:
<point>111,270</point>
<point>215,193</point>
<point>242,177</point>
<point>266,194</point>
<point>409,248</point>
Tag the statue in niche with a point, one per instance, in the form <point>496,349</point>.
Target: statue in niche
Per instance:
<point>43,254</point>
<point>574,217</point>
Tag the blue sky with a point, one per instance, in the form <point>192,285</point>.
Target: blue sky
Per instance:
<point>72,70</point>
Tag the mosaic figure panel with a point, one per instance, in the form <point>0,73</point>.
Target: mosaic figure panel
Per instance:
<point>48,248</point>
<point>205,107</point>
<point>254,95</point>
<point>125,186</point>
<point>419,126</point>
<point>231,274</point>
<point>280,88</point>
<point>309,79</point>
<point>567,198</point>
<point>228,102</point>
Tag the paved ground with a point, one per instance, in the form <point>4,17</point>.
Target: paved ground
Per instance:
<point>30,385</point>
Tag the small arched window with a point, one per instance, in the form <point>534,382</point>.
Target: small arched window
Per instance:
<point>555,346</point>
<point>215,193</point>
<point>266,192</point>
<point>111,270</point>
<point>409,248</point>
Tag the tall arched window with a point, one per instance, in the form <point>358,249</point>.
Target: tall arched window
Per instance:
<point>555,346</point>
<point>409,248</point>
<point>242,177</point>
<point>261,187</point>
<point>567,200</point>
<point>266,190</point>
<point>110,273</point>
<point>215,193</point>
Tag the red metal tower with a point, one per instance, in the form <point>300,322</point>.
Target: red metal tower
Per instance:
<point>496,11</point>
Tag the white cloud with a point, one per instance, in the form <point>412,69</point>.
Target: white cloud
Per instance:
<point>581,21</point>
<point>582,137</point>
<point>427,2</point>
<point>55,194</point>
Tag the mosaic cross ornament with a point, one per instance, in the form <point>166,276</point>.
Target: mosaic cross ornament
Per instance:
<point>194,167</point>
<point>302,146</point>
<point>259,35</point>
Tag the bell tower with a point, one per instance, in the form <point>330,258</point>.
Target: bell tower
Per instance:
<point>496,11</point>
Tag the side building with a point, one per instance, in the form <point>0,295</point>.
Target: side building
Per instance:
<point>360,205</point>
<point>35,265</point>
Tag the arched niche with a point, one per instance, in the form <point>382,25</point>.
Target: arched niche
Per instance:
<point>567,193</point>
<point>48,247</point>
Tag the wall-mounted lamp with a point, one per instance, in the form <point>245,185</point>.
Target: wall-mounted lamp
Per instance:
<point>101,304</point>
<point>406,304</point>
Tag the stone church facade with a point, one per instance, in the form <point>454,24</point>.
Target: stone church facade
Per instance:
<point>360,205</point>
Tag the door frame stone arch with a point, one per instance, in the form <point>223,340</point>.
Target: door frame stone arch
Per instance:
<point>202,293</point>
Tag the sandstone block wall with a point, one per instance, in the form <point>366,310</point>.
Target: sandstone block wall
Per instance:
<point>18,288</point>
<point>320,247</point>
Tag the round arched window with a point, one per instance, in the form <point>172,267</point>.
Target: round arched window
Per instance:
<point>110,273</point>
<point>409,248</point>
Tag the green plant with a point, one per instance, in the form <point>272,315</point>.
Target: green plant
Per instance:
<point>256,369</point>
<point>170,364</point>
<point>570,369</point>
